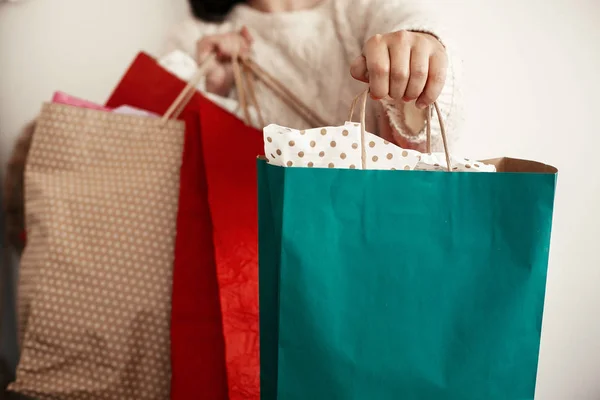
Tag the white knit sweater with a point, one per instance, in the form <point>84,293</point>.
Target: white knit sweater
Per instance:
<point>310,51</point>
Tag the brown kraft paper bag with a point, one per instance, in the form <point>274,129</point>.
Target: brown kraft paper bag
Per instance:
<point>101,194</point>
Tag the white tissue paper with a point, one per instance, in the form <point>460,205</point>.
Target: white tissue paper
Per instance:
<point>128,110</point>
<point>184,67</point>
<point>437,162</point>
<point>340,147</point>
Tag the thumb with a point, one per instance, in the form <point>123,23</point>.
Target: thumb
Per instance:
<point>358,69</point>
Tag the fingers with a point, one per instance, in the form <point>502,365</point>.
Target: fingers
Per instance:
<point>231,44</point>
<point>204,47</point>
<point>438,65</point>
<point>403,65</point>
<point>225,45</point>
<point>378,66</point>
<point>220,80</point>
<point>358,69</point>
<point>419,70</point>
<point>399,69</point>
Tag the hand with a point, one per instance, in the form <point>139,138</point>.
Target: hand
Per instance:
<point>404,66</point>
<point>219,75</point>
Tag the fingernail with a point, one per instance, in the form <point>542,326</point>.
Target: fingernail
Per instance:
<point>421,105</point>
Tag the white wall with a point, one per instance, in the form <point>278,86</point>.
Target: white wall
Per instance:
<point>533,76</point>
<point>79,46</point>
<point>533,70</point>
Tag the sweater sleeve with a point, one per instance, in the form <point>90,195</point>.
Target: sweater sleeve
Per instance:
<point>370,17</point>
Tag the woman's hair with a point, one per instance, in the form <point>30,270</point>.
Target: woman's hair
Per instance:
<point>212,10</point>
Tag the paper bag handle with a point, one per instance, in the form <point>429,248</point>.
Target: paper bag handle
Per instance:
<point>245,71</point>
<point>248,68</point>
<point>363,107</point>
<point>244,82</point>
<point>244,68</point>
<point>436,107</point>
<point>188,91</point>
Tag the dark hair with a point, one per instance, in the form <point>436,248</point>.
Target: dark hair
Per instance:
<point>213,10</point>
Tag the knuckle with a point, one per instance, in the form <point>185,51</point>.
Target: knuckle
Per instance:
<point>421,39</point>
<point>400,36</point>
<point>399,75</point>
<point>419,72</point>
<point>375,40</point>
<point>380,70</point>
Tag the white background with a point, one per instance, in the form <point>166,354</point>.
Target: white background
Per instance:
<point>532,72</point>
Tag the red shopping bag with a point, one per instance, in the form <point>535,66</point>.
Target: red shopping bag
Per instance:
<point>197,346</point>
<point>230,151</point>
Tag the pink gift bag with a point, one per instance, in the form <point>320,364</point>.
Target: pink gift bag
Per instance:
<point>67,99</point>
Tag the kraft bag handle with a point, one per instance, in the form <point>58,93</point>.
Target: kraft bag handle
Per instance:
<point>245,70</point>
<point>435,106</point>
<point>244,82</point>
<point>280,90</point>
<point>245,73</point>
<point>187,93</point>
<point>246,67</point>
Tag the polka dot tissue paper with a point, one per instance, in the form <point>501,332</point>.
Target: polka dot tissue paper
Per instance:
<point>340,147</point>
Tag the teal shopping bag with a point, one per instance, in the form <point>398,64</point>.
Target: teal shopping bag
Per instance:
<point>409,285</point>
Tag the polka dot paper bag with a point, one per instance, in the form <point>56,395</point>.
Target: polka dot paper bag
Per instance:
<point>101,195</point>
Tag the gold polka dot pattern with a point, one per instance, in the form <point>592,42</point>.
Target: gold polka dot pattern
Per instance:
<point>339,147</point>
<point>95,291</point>
<point>333,147</point>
